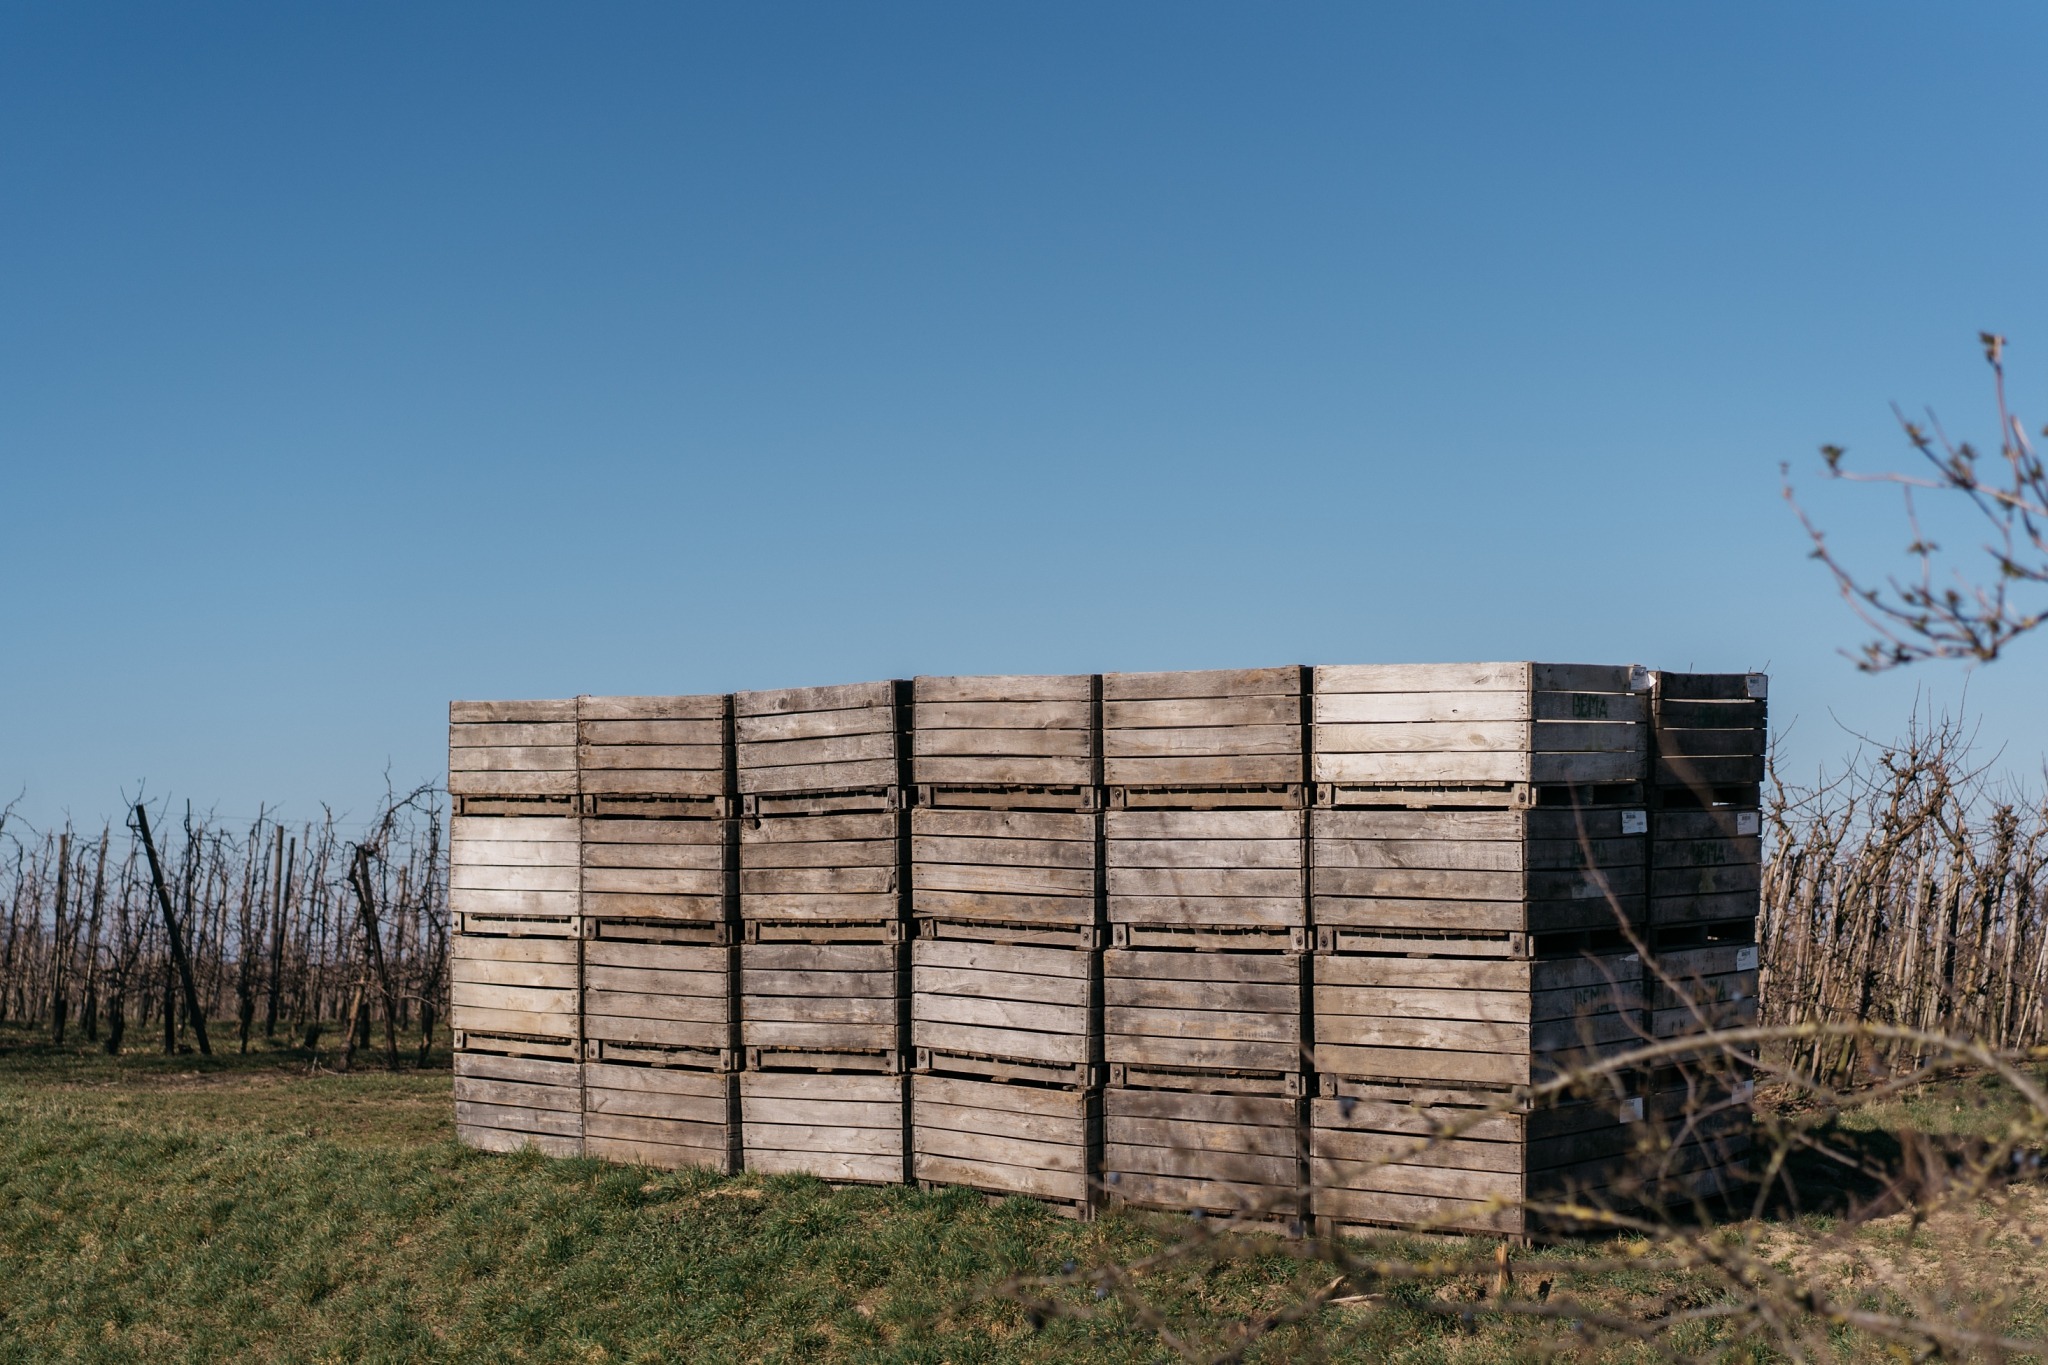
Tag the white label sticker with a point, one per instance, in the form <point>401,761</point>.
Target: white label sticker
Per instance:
<point>1748,822</point>
<point>1632,1110</point>
<point>1635,822</point>
<point>1757,685</point>
<point>1745,959</point>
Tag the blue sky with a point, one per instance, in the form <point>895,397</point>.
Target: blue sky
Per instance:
<point>353,358</point>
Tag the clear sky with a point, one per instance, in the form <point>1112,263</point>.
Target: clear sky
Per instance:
<point>357,357</point>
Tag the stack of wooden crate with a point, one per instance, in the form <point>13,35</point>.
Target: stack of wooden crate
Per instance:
<point>1006,894</point>
<point>1479,879</point>
<point>1154,915</point>
<point>515,955</point>
<point>1204,983</point>
<point>1708,746</point>
<point>659,927</point>
<point>822,850</point>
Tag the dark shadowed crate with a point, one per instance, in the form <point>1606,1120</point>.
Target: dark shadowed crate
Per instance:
<point>1468,1018</point>
<point>1476,871</point>
<point>1466,1158</point>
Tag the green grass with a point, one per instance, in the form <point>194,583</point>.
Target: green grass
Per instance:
<point>199,1209</point>
<point>181,1208</point>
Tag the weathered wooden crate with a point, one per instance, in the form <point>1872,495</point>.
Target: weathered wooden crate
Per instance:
<point>515,994</point>
<point>1206,877</point>
<point>1012,1011</point>
<point>1705,986</point>
<point>1234,731</point>
<point>1209,1146</point>
<point>1705,865</point>
<point>1035,869</point>
<point>1006,741</point>
<point>515,874</point>
<point>1007,1138</point>
<point>823,1005</point>
<point>655,755</point>
<point>681,875</point>
<point>798,872</point>
<point>842,1127</point>
<point>1487,732</point>
<point>1470,1020</point>
<point>819,749</point>
<point>672,1004</point>
<point>1170,1013</point>
<point>1706,854</point>
<point>517,752</point>
<point>1703,1145</point>
<point>661,1116</point>
<point>1463,1159</point>
<point>1710,737</point>
<point>505,1103</point>
<point>1472,871</point>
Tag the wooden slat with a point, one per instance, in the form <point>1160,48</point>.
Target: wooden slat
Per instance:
<point>1003,688</point>
<point>1228,682</point>
<point>658,710</point>
<point>1331,679</point>
<point>515,712</point>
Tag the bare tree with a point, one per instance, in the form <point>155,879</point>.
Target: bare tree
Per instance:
<point>1958,615</point>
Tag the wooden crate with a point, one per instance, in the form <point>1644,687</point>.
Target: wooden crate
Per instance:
<point>1206,1147</point>
<point>1474,871</point>
<point>1461,1159</point>
<point>1469,1020</point>
<point>800,871</point>
<point>1704,1139</point>
<point>1706,986</point>
<point>515,995</point>
<point>679,874</point>
<point>839,1127</point>
<point>1179,876</point>
<point>1166,1012</point>
<point>667,1003</point>
<point>1705,865</point>
<point>515,874</point>
<point>503,1104</point>
<point>1007,1138</point>
<point>1020,867</point>
<point>655,755</point>
<point>1710,737</point>
<point>1014,1011</point>
<point>822,1005</point>
<point>661,1116</point>
<point>1478,726</point>
<point>812,742</point>
<point>1226,728</point>
<point>1006,740</point>
<point>512,749</point>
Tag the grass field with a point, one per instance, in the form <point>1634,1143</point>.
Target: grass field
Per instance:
<point>180,1208</point>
